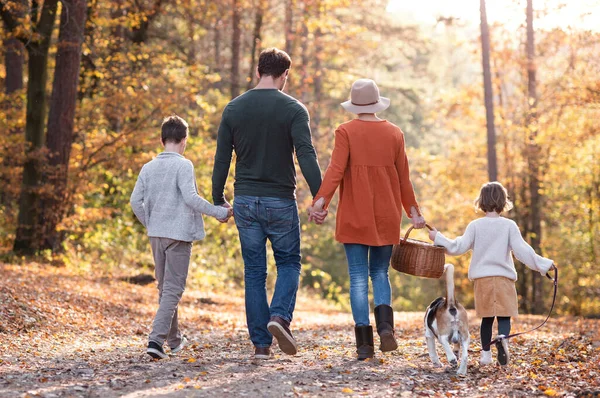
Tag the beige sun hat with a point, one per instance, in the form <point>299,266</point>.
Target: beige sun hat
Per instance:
<point>365,98</point>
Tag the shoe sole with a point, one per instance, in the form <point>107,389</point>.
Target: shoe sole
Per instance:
<point>262,357</point>
<point>284,340</point>
<point>502,353</point>
<point>388,342</point>
<point>156,354</point>
<point>180,347</point>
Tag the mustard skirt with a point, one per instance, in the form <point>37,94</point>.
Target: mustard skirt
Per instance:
<point>496,296</point>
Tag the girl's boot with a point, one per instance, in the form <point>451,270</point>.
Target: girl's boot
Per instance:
<point>364,342</point>
<point>384,318</point>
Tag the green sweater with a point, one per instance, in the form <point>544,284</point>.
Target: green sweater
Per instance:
<point>265,127</point>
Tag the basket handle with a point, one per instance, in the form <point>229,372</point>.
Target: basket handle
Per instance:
<point>411,228</point>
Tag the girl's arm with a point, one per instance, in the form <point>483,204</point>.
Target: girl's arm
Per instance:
<point>337,168</point>
<point>186,181</point>
<point>525,253</point>
<point>458,246</point>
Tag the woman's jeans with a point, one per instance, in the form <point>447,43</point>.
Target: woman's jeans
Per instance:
<point>365,261</point>
<point>259,219</point>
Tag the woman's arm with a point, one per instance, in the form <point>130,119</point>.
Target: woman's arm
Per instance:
<point>407,192</point>
<point>336,169</point>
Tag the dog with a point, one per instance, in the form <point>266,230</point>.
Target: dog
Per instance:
<point>446,320</point>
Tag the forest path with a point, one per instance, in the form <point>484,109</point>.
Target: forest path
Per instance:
<point>65,335</point>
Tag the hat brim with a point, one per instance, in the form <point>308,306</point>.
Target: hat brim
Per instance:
<point>381,105</point>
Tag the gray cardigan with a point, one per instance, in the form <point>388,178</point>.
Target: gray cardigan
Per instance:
<point>166,201</point>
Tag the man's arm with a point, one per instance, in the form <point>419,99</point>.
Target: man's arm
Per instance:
<point>305,151</point>
<point>222,160</point>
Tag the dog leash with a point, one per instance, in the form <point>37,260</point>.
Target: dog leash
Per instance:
<point>502,337</point>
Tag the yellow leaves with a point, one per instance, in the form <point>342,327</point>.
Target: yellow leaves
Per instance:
<point>551,392</point>
<point>191,360</point>
<point>186,379</point>
<point>347,390</point>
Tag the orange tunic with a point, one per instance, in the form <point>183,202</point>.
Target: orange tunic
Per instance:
<point>369,164</point>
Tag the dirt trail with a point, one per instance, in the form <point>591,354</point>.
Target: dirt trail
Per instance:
<point>62,335</point>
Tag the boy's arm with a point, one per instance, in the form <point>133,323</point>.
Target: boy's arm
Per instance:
<point>458,246</point>
<point>305,151</point>
<point>186,181</point>
<point>137,199</point>
<point>525,253</point>
<point>222,161</point>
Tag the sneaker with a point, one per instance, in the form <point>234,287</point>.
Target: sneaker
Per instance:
<point>156,351</point>
<point>486,358</point>
<point>262,353</point>
<point>503,355</point>
<point>279,328</point>
<point>183,343</point>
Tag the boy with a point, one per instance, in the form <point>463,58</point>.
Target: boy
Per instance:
<point>166,201</point>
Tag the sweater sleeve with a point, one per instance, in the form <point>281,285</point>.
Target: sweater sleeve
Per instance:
<point>186,181</point>
<point>407,191</point>
<point>137,199</point>
<point>336,169</point>
<point>460,245</point>
<point>525,253</point>
<point>305,151</point>
<point>222,160</point>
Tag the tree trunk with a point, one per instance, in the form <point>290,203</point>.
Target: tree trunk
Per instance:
<point>256,40</point>
<point>61,117</point>
<point>289,26</point>
<point>533,157</point>
<point>318,74</point>
<point>235,49</point>
<point>27,237</point>
<point>488,94</point>
<point>14,58</point>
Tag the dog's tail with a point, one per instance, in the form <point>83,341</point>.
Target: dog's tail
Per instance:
<point>449,270</point>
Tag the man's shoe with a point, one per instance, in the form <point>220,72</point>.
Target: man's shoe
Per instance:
<point>503,355</point>
<point>262,353</point>
<point>183,343</point>
<point>279,328</point>
<point>486,358</point>
<point>156,351</point>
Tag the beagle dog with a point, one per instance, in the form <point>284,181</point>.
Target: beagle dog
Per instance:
<point>446,320</point>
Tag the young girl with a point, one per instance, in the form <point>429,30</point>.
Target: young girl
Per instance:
<point>492,238</point>
<point>370,166</point>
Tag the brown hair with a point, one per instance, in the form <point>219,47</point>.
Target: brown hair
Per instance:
<point>493,197</point>
<point>273,62</point>
<point>173,129</point>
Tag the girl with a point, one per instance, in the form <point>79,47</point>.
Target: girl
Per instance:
<point>492,238</point>
<point>369,164</point>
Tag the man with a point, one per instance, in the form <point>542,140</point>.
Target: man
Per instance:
<point>265,126</point>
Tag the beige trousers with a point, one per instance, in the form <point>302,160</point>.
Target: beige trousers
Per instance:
<point>171,262</point>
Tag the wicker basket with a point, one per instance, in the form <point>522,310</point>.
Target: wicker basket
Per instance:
<point>415,257</point>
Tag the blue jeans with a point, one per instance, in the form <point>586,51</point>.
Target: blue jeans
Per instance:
<point>259,219</point>
<point>365,261</point>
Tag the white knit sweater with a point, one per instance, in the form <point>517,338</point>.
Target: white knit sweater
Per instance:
<point>492,239</point>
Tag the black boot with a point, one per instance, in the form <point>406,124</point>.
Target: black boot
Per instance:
<point>364,342</point>
<point>384,318</point>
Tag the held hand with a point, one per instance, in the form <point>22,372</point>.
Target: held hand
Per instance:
<point>229,212</point>
<point>418,221</point>
<point>316,213</point>
<point>432,234</point>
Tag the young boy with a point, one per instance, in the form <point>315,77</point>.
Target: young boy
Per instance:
<point>166,201</point>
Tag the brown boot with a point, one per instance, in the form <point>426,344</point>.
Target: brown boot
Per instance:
<point>364,342</point>
<point>384,318</point>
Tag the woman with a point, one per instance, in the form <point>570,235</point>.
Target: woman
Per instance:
<point>369,164</point>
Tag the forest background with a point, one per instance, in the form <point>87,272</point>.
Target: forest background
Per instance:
<point>85,85</point>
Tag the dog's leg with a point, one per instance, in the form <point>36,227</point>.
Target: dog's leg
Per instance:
<point>448,350</point>
<point>432,352</point>
<point>462,370</point>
